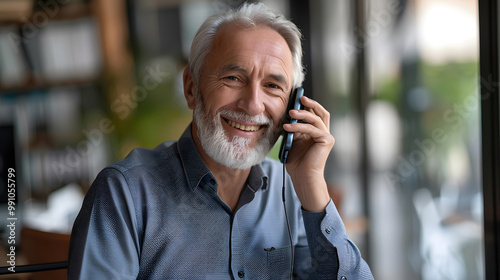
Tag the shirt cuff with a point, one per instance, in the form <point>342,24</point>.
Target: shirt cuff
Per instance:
<point>328,226</point>
<point>332,224</point>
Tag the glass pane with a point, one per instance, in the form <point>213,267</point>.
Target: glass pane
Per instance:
<point>423,133</point>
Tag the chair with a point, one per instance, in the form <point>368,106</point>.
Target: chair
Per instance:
<point>41,247</point>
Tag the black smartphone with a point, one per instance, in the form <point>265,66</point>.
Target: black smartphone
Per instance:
<point>293,104</point>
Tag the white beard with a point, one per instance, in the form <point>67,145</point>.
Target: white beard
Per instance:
<point>233,153</point>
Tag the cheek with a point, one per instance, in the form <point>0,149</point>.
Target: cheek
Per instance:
<point>210,91</point>
<point>277,111</point>
<point>218,99</point>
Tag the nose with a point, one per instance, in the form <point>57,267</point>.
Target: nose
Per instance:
<point>251,100</point>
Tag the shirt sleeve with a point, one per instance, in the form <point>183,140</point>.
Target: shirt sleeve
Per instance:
<point>104,242</point>
<point>332,252</point>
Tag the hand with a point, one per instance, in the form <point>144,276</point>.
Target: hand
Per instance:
<point>306,162</point>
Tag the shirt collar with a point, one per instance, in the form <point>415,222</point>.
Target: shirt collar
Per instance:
<point>193,165</point>
<point>195,169</point>
<point>257,179</point>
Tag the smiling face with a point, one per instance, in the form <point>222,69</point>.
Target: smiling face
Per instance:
<point>242,95</point>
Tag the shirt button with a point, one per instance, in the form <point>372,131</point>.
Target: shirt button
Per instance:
<point>343,278</point>
<point>327,230</point>
<point>241,274</point>
<point>212,181</point>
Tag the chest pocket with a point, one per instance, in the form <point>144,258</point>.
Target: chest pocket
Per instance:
<point>274,263</point>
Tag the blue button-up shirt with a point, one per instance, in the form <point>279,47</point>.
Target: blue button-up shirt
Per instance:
<point>156,215</point>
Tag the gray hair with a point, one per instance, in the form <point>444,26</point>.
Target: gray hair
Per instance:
<point>250,15</point>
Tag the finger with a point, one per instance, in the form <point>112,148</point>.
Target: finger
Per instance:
<point>309,117</point>
<point>318,135</point>
<point>317,109</point>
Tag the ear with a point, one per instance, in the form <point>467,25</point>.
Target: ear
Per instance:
<point>187,79</point>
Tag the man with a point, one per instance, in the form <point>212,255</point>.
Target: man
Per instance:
<point>209,206</point>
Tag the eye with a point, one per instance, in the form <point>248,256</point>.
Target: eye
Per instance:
<point>232,78</point>
<point>273,86</point>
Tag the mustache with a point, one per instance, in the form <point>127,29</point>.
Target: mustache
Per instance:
<point>240,116</point>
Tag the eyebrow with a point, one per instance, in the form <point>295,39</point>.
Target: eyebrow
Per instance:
<point>234,67</point>
<point>277,77</point>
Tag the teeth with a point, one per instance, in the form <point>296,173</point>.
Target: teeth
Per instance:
<point>243,127</point>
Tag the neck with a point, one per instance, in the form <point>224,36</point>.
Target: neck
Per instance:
<point>230,181</point>
<point>230,184</point>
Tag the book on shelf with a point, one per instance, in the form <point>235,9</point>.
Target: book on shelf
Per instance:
<point>60,52</point>
<point>14,68</point>
<point>15,10</point>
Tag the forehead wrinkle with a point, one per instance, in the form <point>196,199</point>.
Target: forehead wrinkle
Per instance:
<point>267,48</point>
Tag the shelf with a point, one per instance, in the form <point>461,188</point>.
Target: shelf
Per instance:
<point>14,11</point>
<point>41,15</point>
<point>31,85</point>
<point>64,71</point>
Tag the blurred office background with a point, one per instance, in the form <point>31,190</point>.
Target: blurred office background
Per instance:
<point>84,82</point>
